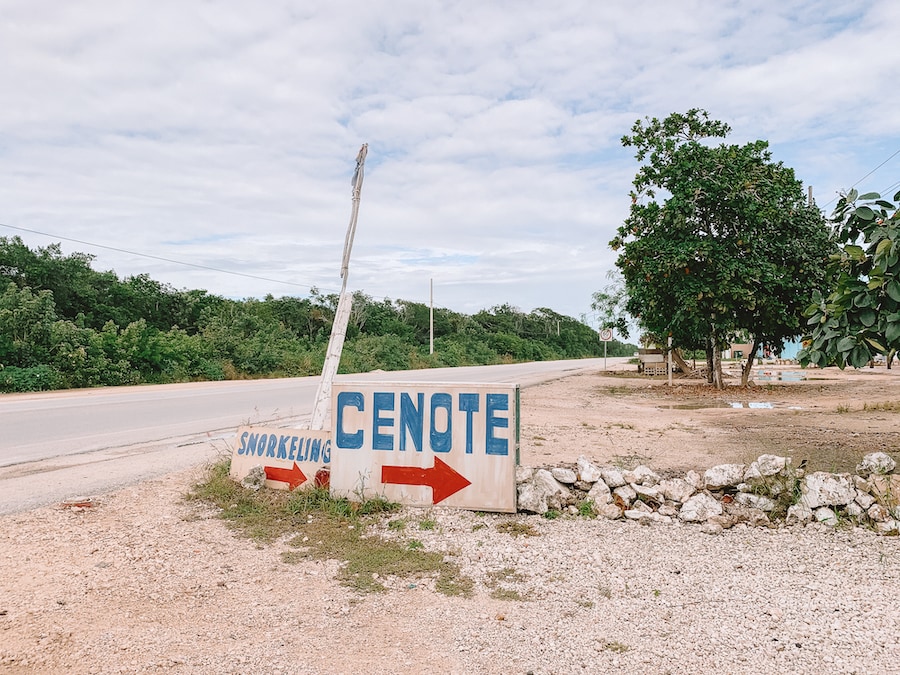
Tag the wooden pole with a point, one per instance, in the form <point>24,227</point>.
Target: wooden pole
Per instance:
<point>431,318</point>
<point>342,314</point>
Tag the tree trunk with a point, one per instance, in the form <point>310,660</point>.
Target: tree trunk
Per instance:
<point>679,359</point>
<point>717,359</point>
<point>745,372</point>
<point>710,361</point>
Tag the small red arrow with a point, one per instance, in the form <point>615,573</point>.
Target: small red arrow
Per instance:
<point>441,478</point>
<point>293,476</point>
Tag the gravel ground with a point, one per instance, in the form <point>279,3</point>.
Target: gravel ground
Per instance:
<point>144,583</point>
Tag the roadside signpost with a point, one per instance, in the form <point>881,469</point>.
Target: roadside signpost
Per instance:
<point>419,444</point>
<point>606,335</point>
<point>424,444</point>
<point>291,458</point>
<point>345,304</point>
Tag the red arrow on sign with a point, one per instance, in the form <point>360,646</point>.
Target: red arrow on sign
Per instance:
<point>441,478</point>
<point>293,476</point>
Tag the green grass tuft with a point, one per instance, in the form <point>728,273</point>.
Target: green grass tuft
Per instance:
<point>328,528</point>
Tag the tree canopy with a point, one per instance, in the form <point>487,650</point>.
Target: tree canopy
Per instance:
<point>861,316</point>
<point>730,246</point>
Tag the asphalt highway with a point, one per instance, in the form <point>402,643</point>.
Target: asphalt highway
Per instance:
<point>77,442</point>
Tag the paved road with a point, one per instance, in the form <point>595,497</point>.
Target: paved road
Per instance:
<point>58,443</point>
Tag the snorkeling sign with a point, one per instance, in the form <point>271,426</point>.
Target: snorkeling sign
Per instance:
<point>291,458</point>
<point>418,444</point>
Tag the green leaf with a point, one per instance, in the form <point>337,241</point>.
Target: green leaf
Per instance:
<point>859,357</point>
<point>868,317</point>
<point>852,195</point>
<point>893,290</point>
<point>877,346</point>
<point>855,252</point>
<point>869,195</point>
<point>865,213</point>
<point>845,344</point>
<point>892,332</point>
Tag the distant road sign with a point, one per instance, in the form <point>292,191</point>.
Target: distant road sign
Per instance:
<point>425,444</point>
<point>606,334</point>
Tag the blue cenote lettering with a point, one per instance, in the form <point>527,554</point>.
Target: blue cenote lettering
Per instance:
<point>285,446</point>
<point>404,419</point>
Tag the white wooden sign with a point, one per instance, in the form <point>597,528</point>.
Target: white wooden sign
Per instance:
<point>424,444</point>
<point>291,458</point>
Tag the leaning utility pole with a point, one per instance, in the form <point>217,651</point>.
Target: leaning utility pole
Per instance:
<point>342,315</point>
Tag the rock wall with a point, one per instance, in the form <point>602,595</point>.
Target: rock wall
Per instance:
<point>766,493</point>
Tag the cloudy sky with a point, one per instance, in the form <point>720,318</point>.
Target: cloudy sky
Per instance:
<point>224,134</point>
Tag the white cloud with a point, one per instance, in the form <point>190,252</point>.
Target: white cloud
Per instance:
<point>224,134</point>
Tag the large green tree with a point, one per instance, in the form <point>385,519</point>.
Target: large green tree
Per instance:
<point>729,246</point>
<point>861,316</point>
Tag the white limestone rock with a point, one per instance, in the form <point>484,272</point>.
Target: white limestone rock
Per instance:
<point>827,489</point>
<point>610,511</point>
<point>587,470</point>
<point>523,474</point>
<point>854,510</point>
<point>646,517</point>
<point>765,466</point>
<point>564,475</point>
<point>864,499</point>
<point>878,463</point>
<point>676,489</point>
<point>753,501</point>
<point>648,494</point>
<point>699,507</point>
<point>888,527</point>
<point>668,510</point>
<point>798,514</point>
<point>626,493</point>
<point>826,516</point>
<point>711,528</point>
<point>542,493</point>
<point>695,479</point>
<point>641,475</point>
<point>723,475</point>
<point>255,478</point>
<point>612,477</point>
<point>641,506</point>
<point>600,493</point>
<point>878,513</point>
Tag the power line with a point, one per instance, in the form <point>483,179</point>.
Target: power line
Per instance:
<point>156,257</point>
<point>887,190</point>
<point>188,264</point>
<point>180,262</point>
<point>895,153</point>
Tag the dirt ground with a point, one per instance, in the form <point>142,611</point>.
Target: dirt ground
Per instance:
<point>142,582</point>
<point>830,418</point>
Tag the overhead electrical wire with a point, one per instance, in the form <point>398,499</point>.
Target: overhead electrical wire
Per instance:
<point>161,258</point>
<point>894,154</point>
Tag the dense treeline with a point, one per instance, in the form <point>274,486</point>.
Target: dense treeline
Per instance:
<point>63,324</point>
